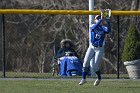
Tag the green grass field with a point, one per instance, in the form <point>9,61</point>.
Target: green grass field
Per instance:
<point>68,86</point>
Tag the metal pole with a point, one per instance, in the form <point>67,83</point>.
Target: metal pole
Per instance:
<point>91,18</point>
<point>91,7</point>
<point>3,44</point>
<point>118,57</point>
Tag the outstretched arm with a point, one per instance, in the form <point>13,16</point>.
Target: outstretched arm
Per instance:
<point>108,26</point>
<point>93,26</point>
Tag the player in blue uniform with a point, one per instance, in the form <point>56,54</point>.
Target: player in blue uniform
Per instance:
<point>95,50</point>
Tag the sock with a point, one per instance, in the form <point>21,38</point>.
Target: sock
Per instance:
<point>84,72</point>
<point>98,74</point>
<point>84,75</point>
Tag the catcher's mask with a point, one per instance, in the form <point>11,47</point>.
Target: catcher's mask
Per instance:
<point>65,41</point>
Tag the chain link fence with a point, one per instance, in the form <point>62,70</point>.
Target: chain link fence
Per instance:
<point>29,41</point>
<point>28,48</point>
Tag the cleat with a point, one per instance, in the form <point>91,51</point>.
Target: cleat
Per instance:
<point>97,82</point>
<point>82,82</point>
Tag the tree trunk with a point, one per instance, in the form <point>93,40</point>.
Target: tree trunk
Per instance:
<point>41,59</point>
<point>134,6</point>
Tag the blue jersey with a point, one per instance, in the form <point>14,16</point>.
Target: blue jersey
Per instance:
<point>97,33</point>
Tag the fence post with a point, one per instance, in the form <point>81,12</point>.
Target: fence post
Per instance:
<point>118,43</point>
<point>3,44</point>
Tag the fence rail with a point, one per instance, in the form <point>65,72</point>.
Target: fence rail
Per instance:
<point>65,12</point>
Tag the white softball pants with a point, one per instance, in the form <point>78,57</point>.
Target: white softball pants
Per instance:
<point>93,57</point>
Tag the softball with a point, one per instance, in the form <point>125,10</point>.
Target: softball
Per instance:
<point>105,14</point>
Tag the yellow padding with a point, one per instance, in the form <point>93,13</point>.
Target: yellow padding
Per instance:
<point>65,12</point>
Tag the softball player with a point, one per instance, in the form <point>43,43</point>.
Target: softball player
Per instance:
<point>95,50</point>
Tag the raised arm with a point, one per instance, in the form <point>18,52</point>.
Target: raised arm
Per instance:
<point>107,29</point>
<point>93,26</point>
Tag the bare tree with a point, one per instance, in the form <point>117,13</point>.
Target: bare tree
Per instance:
<point>30,38</point>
